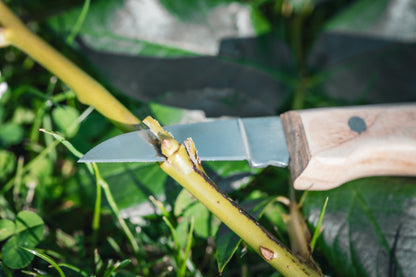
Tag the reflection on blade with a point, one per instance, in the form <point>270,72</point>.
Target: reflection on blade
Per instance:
<point>260,140</point>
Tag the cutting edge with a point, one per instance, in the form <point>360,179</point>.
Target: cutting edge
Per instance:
<point>259,140</point>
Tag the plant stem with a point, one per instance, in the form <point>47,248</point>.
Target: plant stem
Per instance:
<point>297,229</point>
<point>183,165</point>
<point>299,56</point>
<point>299,94</point>
<point>97,208</point>
<point>88,90</point>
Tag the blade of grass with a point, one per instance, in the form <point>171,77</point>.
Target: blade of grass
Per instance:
<point>160,206</point>
<point>317,231</point>
<point>66,143</point>
<point>116,266</point>
<point>74,268</point>
<point>78,24</point>
<point>115,247</point>
<point>47,123</point>
<point>47,259</point>
<point>182,268</point>
<point>172,231</point>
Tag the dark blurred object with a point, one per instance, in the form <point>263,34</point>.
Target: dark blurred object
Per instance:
<point>366,68</point>
<point>355,68</point>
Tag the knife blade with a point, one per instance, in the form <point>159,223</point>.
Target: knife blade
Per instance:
<point>327,146</point>
<point>260,141</point>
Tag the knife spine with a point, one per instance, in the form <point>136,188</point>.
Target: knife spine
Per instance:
<point>297,143</point>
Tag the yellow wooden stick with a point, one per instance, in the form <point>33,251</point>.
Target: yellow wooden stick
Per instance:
<point>183,165</point>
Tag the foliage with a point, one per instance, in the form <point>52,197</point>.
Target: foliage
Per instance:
<point>26,231</point>
<point>368,228</point>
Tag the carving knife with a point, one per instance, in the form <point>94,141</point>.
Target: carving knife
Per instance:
<point>323,148</point>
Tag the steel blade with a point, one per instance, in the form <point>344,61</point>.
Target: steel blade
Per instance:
<point>259,140</point>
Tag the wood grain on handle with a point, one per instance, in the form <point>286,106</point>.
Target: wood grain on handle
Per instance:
<point>331,146</point>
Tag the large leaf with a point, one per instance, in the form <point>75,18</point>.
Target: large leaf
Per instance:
<point>369,227</point>
<point>383,18</point>
<point>128,56</point>
<point>150,28</point>
<point>347,66</point>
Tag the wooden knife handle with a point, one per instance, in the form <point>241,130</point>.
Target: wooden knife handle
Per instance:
<point>331,146</point>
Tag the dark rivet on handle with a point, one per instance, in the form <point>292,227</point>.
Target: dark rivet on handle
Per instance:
<point>357,124</point>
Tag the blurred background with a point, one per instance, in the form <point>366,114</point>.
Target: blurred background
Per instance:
<point>192,60</point>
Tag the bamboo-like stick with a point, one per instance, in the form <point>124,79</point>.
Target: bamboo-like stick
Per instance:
<point>88,90</point>
<point>183,165</point>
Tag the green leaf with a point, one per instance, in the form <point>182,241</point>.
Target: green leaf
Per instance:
<point>228,168</point>
<point>159,28</point>
<point>132,183</point>
<point>227,241</point>
<point>166,115</point>
<point>7,228</point>
<point>23,115</point>
<point>369,226</point>
<point>31,223</point>
<point>260,23</point>
<point>189,9</point>
<point>188,207</point>
<point>66,118</point>
<point>383,18</point>
<point>28,233</point>
<point>227,244</point>
<point>13,255</point>
<point>359,16</point>
<point>101,32</point>
<point>10,133</point>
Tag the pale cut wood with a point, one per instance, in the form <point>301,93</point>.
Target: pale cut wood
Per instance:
<point>331,146</point>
